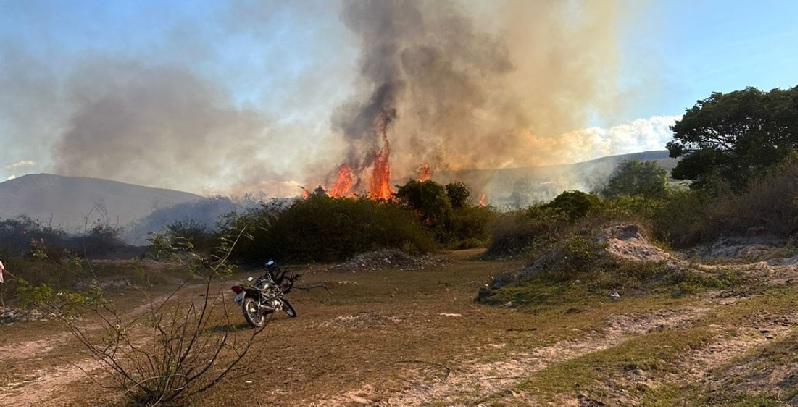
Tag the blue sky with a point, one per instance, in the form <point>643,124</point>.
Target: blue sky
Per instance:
<point>221,96</point>
<point>706,46</point>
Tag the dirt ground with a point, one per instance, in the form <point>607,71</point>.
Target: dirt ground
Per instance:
<point>412,334</point>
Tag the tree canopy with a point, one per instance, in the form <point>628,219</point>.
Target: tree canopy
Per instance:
<point>735,136</point>
<point>633,177</point>
<point>428,198</point>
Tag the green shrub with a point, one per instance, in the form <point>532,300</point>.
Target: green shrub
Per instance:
<point>468,227</point>
<point>685,219</point>
<point>574,205</point>
<point>768,205</point>
<point>575,256</point>
<point>515,233</point>
<point>327,229</point>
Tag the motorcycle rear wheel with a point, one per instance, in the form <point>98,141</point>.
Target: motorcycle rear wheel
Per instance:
<point>252,315</point>
<point>289,309</point>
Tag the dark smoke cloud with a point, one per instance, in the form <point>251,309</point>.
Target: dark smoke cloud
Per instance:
<point>271,94</point>
<point>190,103</point>
<point>478,92</point>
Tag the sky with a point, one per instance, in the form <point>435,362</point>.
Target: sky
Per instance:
<point>243,96</point>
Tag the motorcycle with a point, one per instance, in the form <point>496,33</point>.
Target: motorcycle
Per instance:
<point>266,296</point>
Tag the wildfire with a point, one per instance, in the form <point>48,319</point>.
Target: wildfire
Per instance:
<point>376,175</point>
<point>424,173</point>
<point>343,182</point>
<point>380,183</point>
<point>482,200</point>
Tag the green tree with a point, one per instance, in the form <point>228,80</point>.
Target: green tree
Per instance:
<point>633,177</point>
<point>732,137</point>
<point>458,193</point>
<point>428,198</point>
<point>573,205</point>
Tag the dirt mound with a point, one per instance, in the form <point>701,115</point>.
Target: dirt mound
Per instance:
<point>626,241</point>
<point>629,243</point>
<point>386,259</point>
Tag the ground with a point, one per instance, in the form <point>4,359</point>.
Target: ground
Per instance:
<point>394,333</point>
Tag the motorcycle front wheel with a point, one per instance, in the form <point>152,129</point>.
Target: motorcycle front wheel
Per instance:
<point>288,308</point>
<point>251,313</point>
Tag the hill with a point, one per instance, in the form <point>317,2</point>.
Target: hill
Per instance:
<point>71,203</point>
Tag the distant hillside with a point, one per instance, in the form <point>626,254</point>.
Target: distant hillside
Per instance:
<point>69,203</point>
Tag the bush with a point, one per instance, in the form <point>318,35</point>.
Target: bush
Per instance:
<point>327,229</point>
<point>573,205</point>
<point>637,178</point>
<point>25,237</point>
<point>573,257</point>
<point>515,233</point>
<point>468,227</point>
<point>767,206</point>
<point>190,234</point>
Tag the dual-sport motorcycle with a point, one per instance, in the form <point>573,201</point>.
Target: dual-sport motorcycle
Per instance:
<point>266,296</point>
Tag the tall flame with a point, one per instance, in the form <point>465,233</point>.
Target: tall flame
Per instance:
<point>482,200</point>
<point>380,183</point>
<point>343,182</point>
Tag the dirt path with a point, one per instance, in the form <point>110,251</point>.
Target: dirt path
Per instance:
<point>468,381</point>
<point>473,380</point>
<point>40,387</point>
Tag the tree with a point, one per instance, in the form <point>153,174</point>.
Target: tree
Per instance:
<point>732,137</point>
<point>428,198</point>
<point>573,205</point>
<point>458,194</point>
<point>633,177</point>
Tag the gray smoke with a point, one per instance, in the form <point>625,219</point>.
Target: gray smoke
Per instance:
<point>471,85</point>
<point>473,91</point>
<point>149,124</point>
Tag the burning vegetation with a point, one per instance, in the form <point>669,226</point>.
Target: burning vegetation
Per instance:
<point>440,91</point>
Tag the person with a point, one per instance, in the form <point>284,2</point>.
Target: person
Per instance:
<point>3,273</point>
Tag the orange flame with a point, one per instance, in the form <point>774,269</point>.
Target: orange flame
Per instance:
<point>342,183</point>
<point>305,193</point>
<point>424,173</point>
<point>380,183</point>
<point>482,200</point>
<point>349,181</point>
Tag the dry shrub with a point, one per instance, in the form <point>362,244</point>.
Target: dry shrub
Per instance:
<point>768,206</point>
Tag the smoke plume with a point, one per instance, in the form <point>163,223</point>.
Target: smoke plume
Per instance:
<point>492,91</point>
<point>272,95</point>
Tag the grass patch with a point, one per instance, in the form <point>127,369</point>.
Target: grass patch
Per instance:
<point>652,354</point>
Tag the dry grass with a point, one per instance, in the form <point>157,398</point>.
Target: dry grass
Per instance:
<point>391,337</point>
